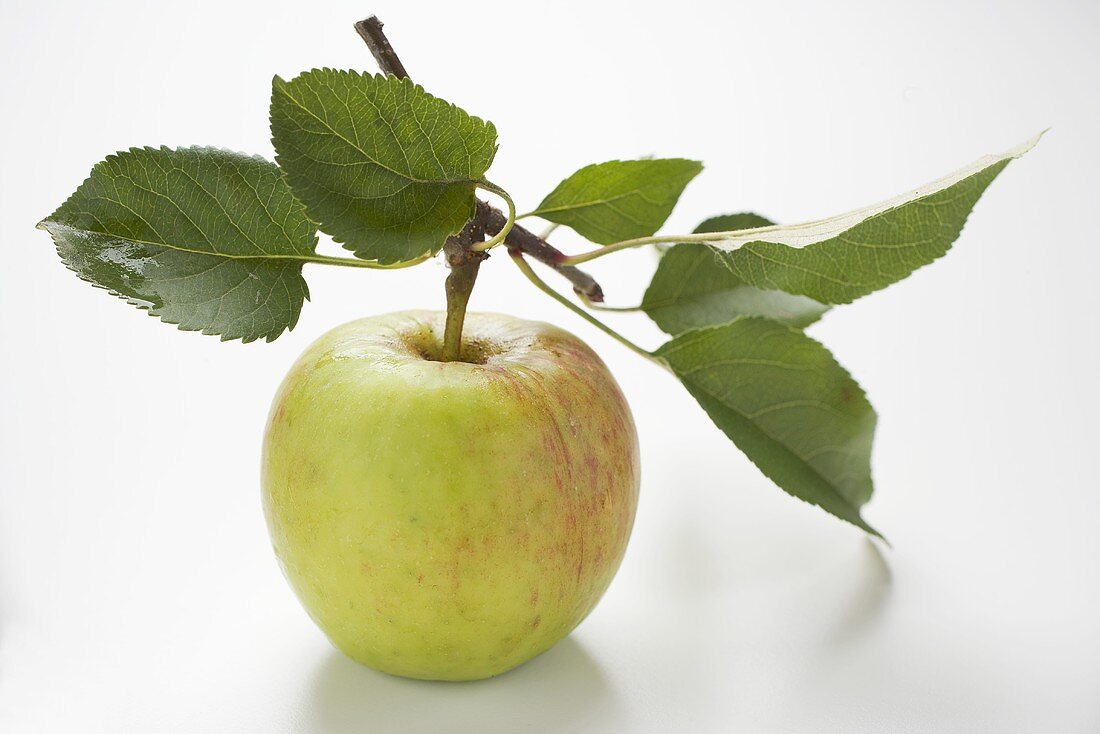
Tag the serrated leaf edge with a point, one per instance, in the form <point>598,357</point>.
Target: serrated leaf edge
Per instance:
<point>861,524</point>
<point>145,306</point>
<point>799,236</point>
<point>278,83</point>
<point>540,211</point>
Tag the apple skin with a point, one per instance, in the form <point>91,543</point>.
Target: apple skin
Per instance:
<point>449,520</point>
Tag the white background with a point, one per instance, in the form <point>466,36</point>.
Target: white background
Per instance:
<point>138,592</point>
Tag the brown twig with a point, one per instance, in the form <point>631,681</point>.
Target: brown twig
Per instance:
<point>490,218</point>
<point>531,244</point>
<point>370,30</point>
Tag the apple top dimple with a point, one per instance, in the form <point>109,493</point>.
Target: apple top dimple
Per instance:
<point>407,340</point>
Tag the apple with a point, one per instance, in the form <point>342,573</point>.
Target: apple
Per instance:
<point>449,520</point>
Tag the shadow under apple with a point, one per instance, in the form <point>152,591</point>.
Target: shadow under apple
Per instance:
<point>551,693</point>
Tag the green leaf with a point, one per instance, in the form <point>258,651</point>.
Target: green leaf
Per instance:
<point>782,398</point>
<point>839,259</point>
<point>386,168</point>
<point>693,287</point>
<point>203,238</point>
<point>727,222</point>
<point>619,200</point>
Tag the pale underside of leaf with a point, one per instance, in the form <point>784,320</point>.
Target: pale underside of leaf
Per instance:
<point>384,167</point>
<point>206,239</point>
<point>783,399</point>
<point>802,235</point>
<point>839,259</point>
<point>694,287</point>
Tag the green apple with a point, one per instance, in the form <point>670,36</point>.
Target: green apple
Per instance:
<point>449,520</point>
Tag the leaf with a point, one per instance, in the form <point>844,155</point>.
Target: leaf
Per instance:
<point>203,238</point>
<point>839,259</point>
<point>619,200</point>
<point>384,167</point>
<point>693,287</point>
<point>727,222</point>
<point>782,398</point>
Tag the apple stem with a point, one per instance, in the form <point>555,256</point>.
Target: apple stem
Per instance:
<point>464,263</point>
<point>491,218</point>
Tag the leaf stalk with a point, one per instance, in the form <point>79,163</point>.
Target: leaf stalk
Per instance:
<point>525,268</point>
<point>610,309</point>
<point>639,242</point>
<point>509,223</point>
<point>349,262</point>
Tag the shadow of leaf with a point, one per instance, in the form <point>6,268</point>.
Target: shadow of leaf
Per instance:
<point>870,597</point>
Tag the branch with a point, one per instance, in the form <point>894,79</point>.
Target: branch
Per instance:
<point>489,217</point>
<point>371,32</point>
<point>531,244</point>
